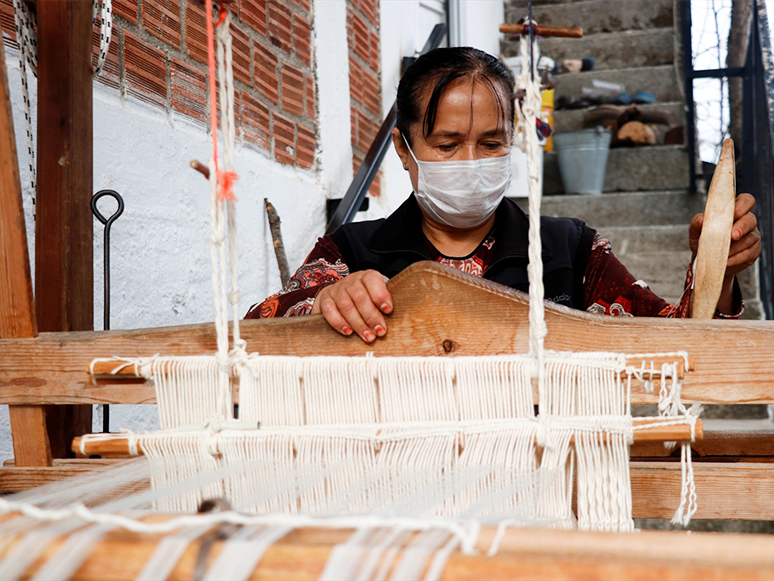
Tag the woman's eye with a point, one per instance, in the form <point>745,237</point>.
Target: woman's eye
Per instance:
<point>446,147</point>
<point>493,145</point>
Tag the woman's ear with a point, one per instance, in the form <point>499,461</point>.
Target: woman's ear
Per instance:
<point>400,147</point>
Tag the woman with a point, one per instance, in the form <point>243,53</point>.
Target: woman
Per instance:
<point>453,134</point>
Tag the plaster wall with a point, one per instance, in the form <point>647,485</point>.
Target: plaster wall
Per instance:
<point>160,259</point>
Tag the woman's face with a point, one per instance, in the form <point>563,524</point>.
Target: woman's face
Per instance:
<point>468,125</point>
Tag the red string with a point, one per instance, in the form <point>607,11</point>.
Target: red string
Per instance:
<point>225,179</point>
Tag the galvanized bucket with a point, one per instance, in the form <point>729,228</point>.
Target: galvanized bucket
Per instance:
<point>583,159</point>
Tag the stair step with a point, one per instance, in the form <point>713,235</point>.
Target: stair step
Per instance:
<point>572,119</point>
<point>630,169</point>
<point>617,50</point>
<point>596,16</point>
<point>660,80</point>
<point>665,208</point>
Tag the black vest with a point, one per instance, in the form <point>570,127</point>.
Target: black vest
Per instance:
<point>391,244</point>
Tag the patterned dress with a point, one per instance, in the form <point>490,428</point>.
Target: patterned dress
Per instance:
<point>609,288</point>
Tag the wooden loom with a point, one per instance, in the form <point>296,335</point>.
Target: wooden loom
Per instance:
<point>439,312</point>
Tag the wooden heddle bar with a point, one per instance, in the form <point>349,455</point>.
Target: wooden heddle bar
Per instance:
<point>119,444</point>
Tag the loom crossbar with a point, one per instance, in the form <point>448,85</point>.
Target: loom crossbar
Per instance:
<point>523,554</point>
<point>439,312</point>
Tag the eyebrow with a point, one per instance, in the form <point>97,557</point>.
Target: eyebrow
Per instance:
<point>490,133</point>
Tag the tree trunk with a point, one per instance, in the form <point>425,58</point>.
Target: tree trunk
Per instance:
<point>738,39</point>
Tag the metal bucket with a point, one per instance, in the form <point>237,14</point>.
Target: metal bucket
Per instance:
<point>583,159</point>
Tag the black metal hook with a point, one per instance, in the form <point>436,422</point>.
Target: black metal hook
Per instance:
<point>108,222</point>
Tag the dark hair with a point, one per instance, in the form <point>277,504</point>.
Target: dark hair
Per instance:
<point>437,69</point>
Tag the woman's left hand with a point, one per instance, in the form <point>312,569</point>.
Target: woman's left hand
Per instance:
<point>745,237</point>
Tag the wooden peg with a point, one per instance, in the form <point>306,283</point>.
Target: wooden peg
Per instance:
<point>545,31</point>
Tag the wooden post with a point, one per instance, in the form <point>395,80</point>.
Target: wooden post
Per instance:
<point>64,234</point>
<point>17,308</point>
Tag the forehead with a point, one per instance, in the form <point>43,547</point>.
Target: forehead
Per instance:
<point>468,105</point>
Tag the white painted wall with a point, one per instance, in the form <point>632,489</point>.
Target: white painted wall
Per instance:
<point>160,245</point>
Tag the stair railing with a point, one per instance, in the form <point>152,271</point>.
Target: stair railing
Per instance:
<point>755,155</point>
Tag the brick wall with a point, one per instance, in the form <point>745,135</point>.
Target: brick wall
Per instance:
<point>158,55</point>
<point>364,83</point>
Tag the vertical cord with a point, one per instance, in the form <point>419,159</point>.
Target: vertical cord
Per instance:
<point>530,109</point>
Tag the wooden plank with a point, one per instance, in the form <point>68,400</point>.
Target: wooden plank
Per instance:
<point>64,263</point>
<point>725,490</point>
<point>13,479</point>
<point>433,316</point>
<point>523,554</point>
<point>17,308</point>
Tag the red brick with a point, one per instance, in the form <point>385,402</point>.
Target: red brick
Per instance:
<point>371,93</point>
<point>240,49</point>
<point>279,25</point>
<point>189,90</point>
<point>292,90</point>
<point>266,80</point>
<point>296,2</point>
<point>255,121</point>
<point>374,40</point>
<point>306,147</point>
<point>302,39</point>
<point>196,32</point>
<point>146,71</point>
<point>161,18</point>
<point>311,106</point>
<point>253,14</point>
<point>8,23</point>
<point>305,5</point>
<point>284,140</point>
<point>376,186</point>
<point>365,132</point>
<point>353,124</point>
<point>350,29</point>
<point>126,9</point>
<point>370,9</point>
<point>355,79</point>
<point>360,43</point>
<point>110,74</point>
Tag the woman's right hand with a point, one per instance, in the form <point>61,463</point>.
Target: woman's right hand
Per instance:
<point>358,302</point>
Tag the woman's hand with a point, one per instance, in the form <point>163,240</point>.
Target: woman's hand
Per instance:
<point>356,303</point>
<point>745,237</point>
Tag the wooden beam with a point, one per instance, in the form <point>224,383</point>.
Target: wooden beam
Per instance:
<point>725,490</point>
<point>64,235</point>
<point>18,479</point>
<point>524,554</point>
<point>433,316</point>
<point>17,308</point>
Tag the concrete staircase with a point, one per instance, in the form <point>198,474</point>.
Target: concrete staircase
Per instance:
<point>646,207</point>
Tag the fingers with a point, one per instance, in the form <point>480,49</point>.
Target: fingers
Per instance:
<point>356,304</point>
<point>744,225</point>
<point>744,252</point>
<point>744,204</point>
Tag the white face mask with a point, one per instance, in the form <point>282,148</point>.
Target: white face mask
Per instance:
<point>462,194</point>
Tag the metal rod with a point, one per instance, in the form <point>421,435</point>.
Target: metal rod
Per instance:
<point>690,113</point>
<point>107,222</point>
<point>717,73</point>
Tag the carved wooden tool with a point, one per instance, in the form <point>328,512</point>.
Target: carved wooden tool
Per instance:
<point>715,236</point>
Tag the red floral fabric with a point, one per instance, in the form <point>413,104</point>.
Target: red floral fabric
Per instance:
<point>609,288</point>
